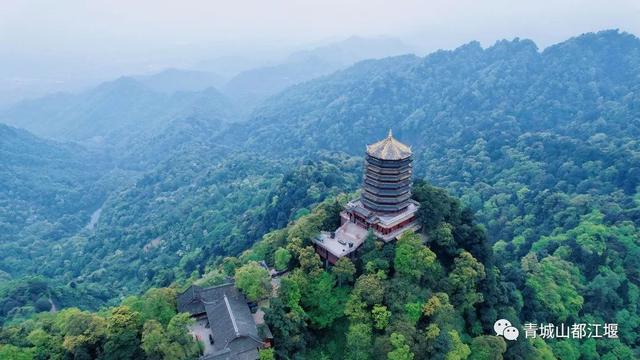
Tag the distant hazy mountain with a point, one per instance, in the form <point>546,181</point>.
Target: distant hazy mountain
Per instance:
<point>129,107</point>
<point>174,80</point>
<point>354,49</point>
<point>113,112</point>
<point>250,87</point>
<point>229,66</point>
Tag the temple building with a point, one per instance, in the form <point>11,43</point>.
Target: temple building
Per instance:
<point>385,206</point>
<point>224,324</point>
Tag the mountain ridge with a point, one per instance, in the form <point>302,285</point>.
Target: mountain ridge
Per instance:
<point>112,112</point>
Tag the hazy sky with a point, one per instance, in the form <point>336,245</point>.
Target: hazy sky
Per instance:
<point>63,40</point>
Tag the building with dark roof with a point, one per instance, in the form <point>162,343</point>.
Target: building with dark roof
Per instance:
<point>385,206</point>
<point>387,177</point>
<point>224,322</point>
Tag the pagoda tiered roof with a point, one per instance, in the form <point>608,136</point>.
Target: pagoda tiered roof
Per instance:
<point>386,186</point>
<point>389,149</point>
<point>385,207</point>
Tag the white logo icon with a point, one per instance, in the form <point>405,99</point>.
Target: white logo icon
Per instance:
<point>503,327</point>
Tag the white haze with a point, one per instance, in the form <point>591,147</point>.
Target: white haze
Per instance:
<point>48,46</point>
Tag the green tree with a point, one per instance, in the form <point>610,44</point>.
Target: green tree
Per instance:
<point>359,342</point>
<point>541,350</point>
<point>591,234</point>
<point>212,278</point>
<point>554,283</point>
<point>458,350</point>
<point>266,354</point>
<point>566,350</point>
<point>356,308</point>
<point>322,301</point>
<point>84,333</point>
<point>158,304</point>
<point>439,311</point>
<point>291,295</point>
<point>153,340</point>
<point>443,237</point>
<point>47,345</point>
<point>380,316</point>
<point>123,334</point>
<point>401,351</point>
<point>370,288</point>
<point>177,332</point>
<point>253,280</point>
<point>8,351</point>
<point>230,264</point>
<point>282,258</point>
<point>343,270</point>
<point>309,260</point>
<point>289,328</point>
<point>487,347</point>
<point>464,280</point>
<point>173,343</point>
<point>413,259</point>
<point>413,311</point>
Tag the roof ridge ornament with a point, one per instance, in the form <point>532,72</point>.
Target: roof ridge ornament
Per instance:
<point>389,148</point>
<point>231,316</point>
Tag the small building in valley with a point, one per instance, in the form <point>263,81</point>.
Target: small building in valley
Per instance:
<point>385,206</point>
<point>224,323</point>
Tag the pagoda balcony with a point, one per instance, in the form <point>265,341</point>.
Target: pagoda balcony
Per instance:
<point>388,163</point>
<point>382,200</point>
<point>386,170</point>
<point>387,193</point>
<point>384,208</point>
<point>388,185</point>
<point>388,178</point>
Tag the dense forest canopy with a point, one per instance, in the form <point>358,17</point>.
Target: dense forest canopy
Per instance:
<point>542,147</point>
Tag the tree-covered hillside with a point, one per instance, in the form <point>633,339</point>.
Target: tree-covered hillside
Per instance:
<point>462,95</point>
<point>250,87</point>
<point>530,140</point>
<point>141,327</point>
<point>47,189</point>
<point>541,145</point>
<point>168,224</point>
<point>177,219</point>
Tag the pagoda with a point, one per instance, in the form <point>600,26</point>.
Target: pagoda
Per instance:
<point>385,206</point>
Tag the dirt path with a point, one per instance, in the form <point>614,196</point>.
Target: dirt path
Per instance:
<point>53,306</point>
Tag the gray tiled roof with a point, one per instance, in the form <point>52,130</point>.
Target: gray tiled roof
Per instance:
<point>229,318</point>
<point>189,301</point>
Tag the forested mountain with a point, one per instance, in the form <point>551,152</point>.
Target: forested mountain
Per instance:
<point>114,114</point>
<point>178,218</point>
<point>174,80</point>
<point>485,123</point>
<point>47,189</point>
<point>543,146</point>
<point>249,88</point>
<point>133,229</point>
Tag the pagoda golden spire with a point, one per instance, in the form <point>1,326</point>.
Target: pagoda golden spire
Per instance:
<point>389,149</point>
